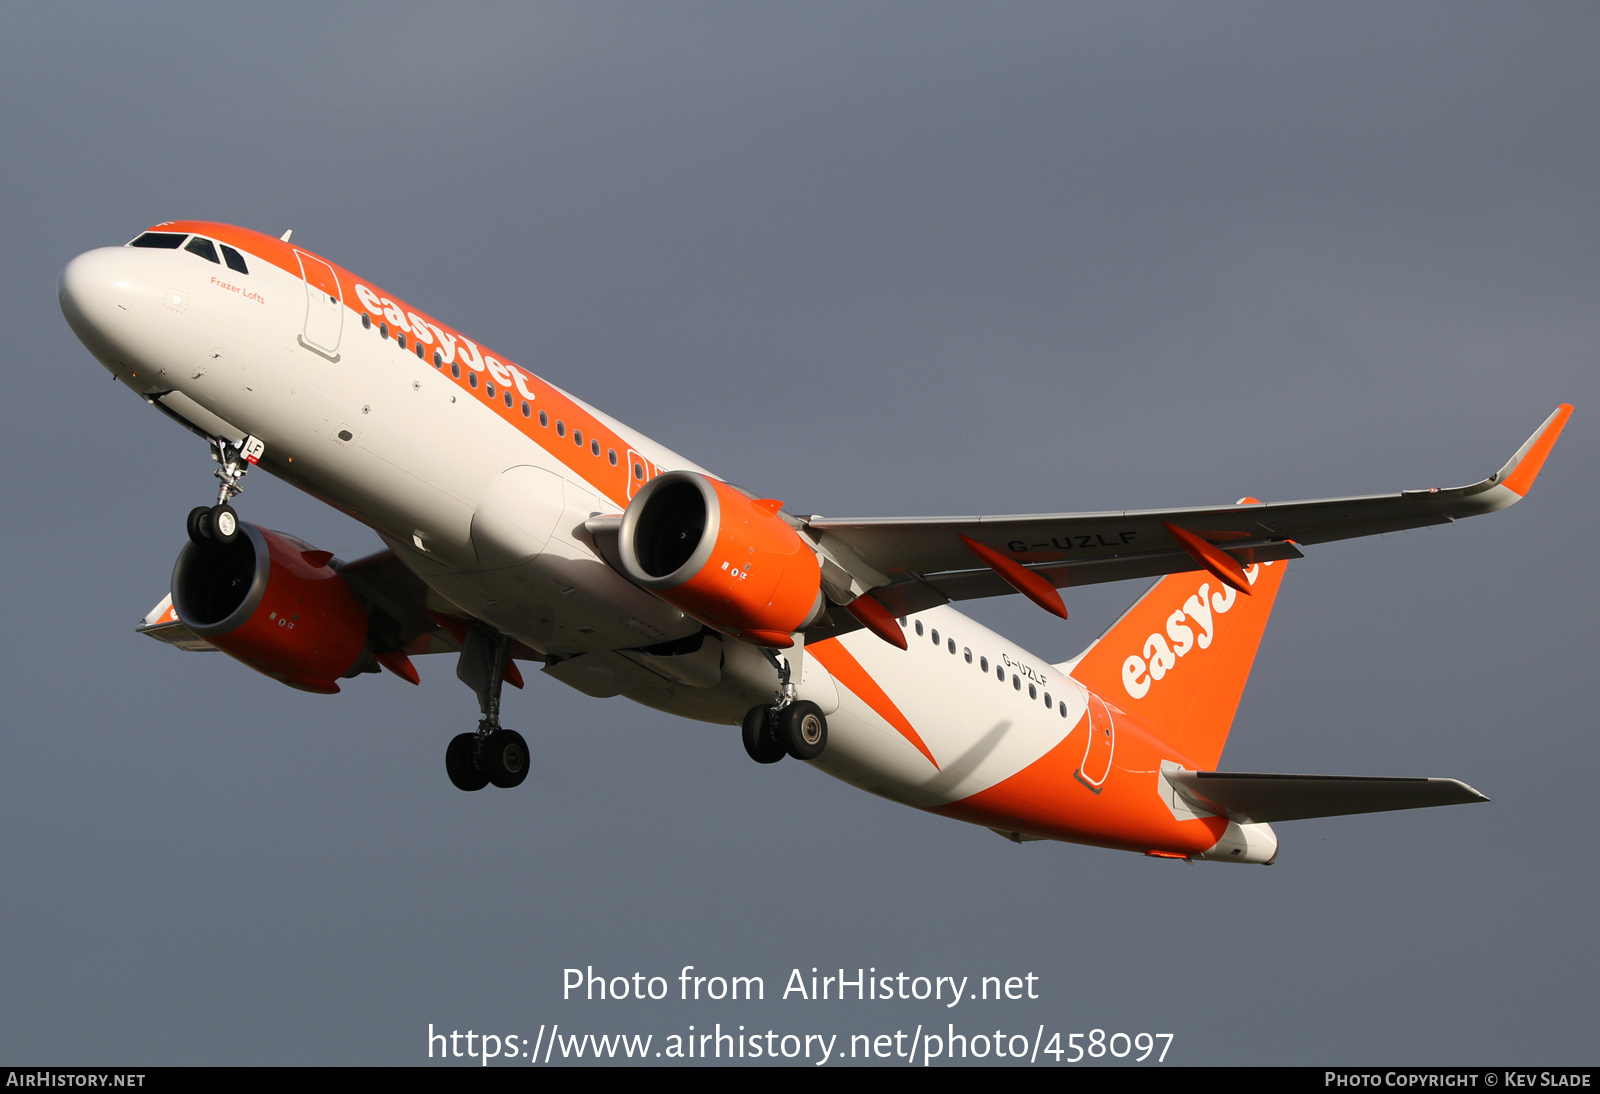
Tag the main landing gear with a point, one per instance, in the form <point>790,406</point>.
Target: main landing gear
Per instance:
<point>773,732</point>
<point>219,524</point>
<point>493,754</point>
<point>785,727</point>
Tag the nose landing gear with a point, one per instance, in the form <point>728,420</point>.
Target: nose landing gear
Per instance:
<point>219,523</point>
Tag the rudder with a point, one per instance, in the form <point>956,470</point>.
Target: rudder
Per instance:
<point>1180,657</point>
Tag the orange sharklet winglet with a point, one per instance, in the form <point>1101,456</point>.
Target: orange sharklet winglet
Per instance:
<point>1020,578</point>
<point>848,671</point>
<point>876,618</point>
<point>1224,566</point>
<point>1520,478</point>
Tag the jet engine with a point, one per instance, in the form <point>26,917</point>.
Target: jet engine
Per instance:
<point>721,556</point>
<point>274,603</point>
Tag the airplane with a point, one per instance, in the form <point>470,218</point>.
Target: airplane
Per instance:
<point>522,525</point>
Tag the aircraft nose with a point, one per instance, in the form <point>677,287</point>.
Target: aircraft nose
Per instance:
<point>96,293</point>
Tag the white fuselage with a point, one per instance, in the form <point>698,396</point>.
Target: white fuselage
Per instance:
<point>475,499</point>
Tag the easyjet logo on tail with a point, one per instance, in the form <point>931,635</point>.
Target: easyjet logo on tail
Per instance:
<point>1160,656</point>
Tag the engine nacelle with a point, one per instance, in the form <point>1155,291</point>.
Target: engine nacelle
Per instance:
<point>729,561</point>
<point>274,603</point>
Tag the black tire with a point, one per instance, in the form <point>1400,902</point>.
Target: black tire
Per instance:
<point>760,743</point>
<point>803,730</point>
<point>198,536</point>
<point>224,524</point>
<point>504,758</point>
<point>461,763</point>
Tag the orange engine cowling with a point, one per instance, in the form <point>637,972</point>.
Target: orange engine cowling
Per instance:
<point>274,603</point>
<point>722,557</point>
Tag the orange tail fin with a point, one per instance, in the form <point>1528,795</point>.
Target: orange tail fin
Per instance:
<point>1180,657</point>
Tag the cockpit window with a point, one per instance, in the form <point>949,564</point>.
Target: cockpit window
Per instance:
<point>204,248</point>
<point>166,241</point>
<point>235,259</point>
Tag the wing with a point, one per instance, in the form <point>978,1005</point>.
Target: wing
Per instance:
<point>911,563</point>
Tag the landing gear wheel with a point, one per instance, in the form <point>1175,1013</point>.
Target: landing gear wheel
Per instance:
<point>504,758</point>
<point>199,526</point>
<point>760,743</point>
<point>803,730</point>
<point>461,763</point>
<point>224,524</point>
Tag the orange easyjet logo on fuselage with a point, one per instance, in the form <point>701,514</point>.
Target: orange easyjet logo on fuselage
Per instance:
<point>447,342</point>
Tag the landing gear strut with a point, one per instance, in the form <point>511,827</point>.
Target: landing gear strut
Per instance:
<point>219,523</point>
<point>493,754</point>
<point>785,727</point>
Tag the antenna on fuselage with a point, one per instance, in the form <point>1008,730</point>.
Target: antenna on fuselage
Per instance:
<point>285,236</point>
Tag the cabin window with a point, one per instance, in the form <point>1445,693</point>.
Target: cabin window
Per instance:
<point>967,653</point>
<point>577,437</point>
<point>383,330</point>
<point>438,358</point>
<point>638,471</point>
<point>1047,701</point>
<point>561,428</point>
<point>950,644</point>
<point>161,241</point>
<point>234,259</point>
<point>983,664</point>
<point>400,340</point>
<point>936,636</point>
<point>1033,692</point>
<point>488,388</point>
<point>1016,683</point>
<point>366,321</point>
<point>611,454</point>
<point>1063,708</point>
<point>472,379</point>
<point>527,410</point>
<point>594,448</point>
<point>455,370</point>
<point>1000,673</point>
<point>544,419</point>
<point>919,628</point>
<point>418,347</point>
<point>507,395</point>
<point>203,247</point>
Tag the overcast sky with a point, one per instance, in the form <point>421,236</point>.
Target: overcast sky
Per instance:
<point>873,260</point>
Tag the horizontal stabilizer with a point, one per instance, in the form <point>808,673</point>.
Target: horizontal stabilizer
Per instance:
<point>1252,798</point>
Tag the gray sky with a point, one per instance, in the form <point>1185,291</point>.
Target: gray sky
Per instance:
<point>870,259</point>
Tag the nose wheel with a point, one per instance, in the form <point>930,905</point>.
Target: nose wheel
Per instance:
<point>219,524</point>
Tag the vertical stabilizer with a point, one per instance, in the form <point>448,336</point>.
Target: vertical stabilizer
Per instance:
<point>1180,657</point>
